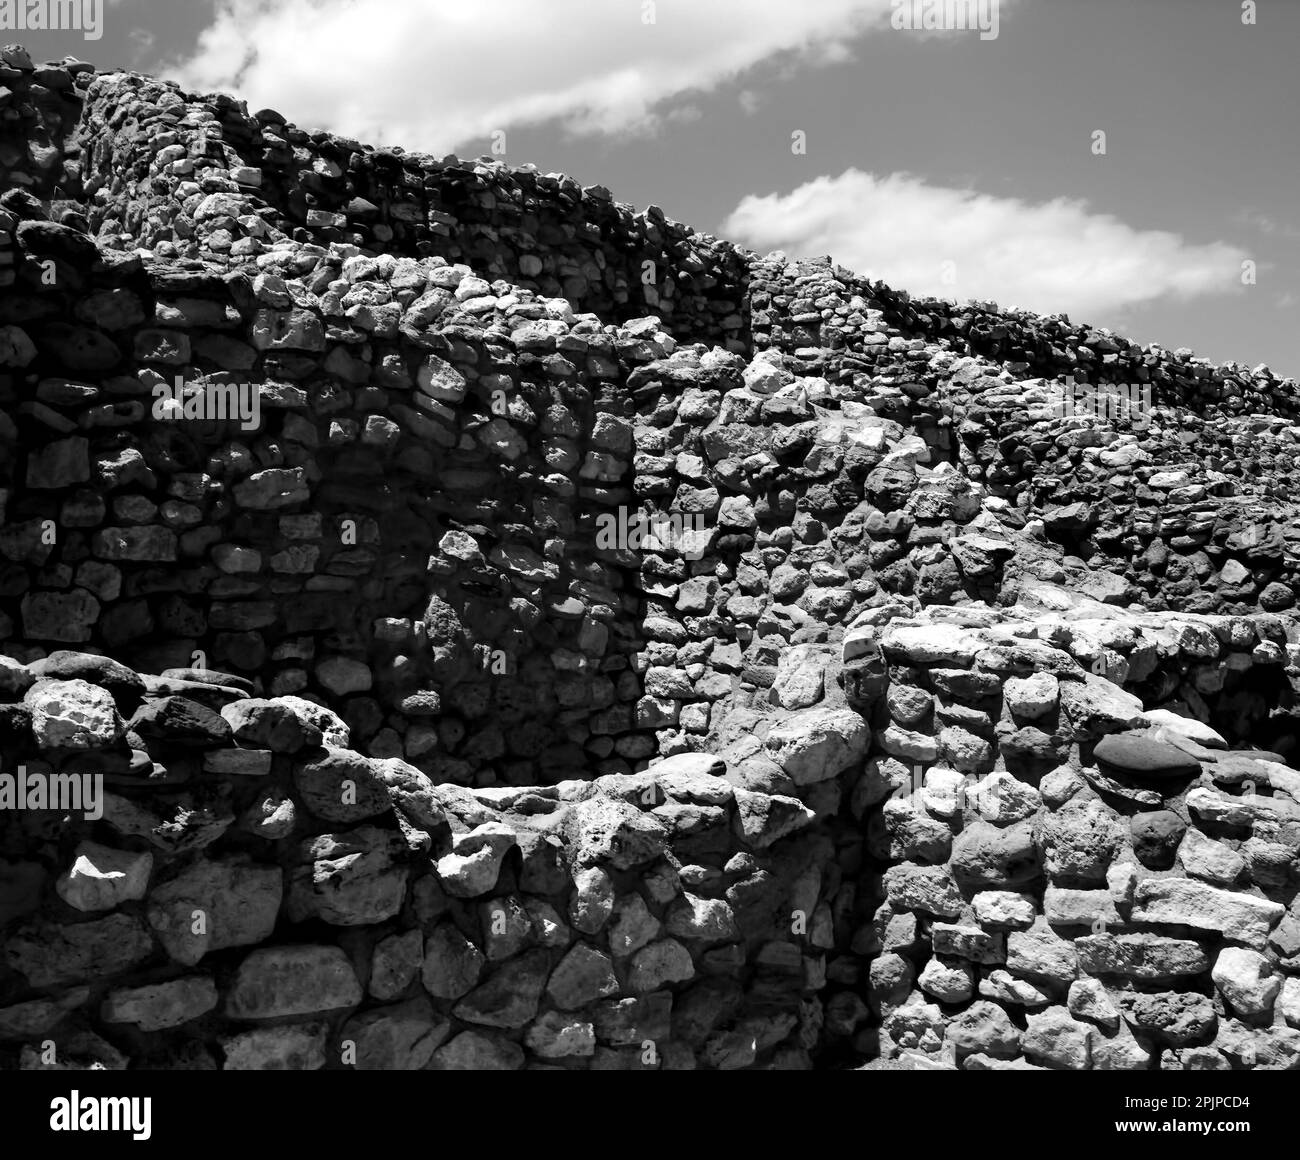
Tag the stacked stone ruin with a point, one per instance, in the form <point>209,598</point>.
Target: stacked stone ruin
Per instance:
<point>952,732</point>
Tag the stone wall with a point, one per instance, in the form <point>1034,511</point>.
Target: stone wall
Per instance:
<point>1189,502</point>
<point>748,662</point>
<point>42,108</point>
<point>408,508</point>
<point>970,849</point>
<point>187,176</point>
<point>1067,879</point>
<point>250,893</point>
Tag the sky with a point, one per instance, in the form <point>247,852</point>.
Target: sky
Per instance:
<point>1131,163</point>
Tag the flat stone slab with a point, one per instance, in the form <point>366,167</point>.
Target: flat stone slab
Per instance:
<point>1145,757</point>
<point>1141,956</point>
<point>931,644</point>
<point>1121,789</point>
<point>1241,917</point>
<point>1189,728</point>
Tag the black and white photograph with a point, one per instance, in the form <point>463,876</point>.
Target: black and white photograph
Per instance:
<point>648,535</point>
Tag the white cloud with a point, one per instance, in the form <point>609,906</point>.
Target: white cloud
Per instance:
<point>1057,256</point>
<point>434,74</point>
<point>1267,225</point>
<point>142,40</point>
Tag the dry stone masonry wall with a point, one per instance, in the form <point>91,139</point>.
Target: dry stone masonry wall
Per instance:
<point>510,630</point>
<point>251,893</point>
<point>1073,881</point>
<point>191,178</point>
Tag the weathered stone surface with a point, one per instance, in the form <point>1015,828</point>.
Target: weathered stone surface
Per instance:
<point>930,644</point>
<point>1031,698</point>
<point>1247,981</point>
<point>818,744</point>
<point>1186,726</point>
<point>1007,988</point>
<point>180,721</point>
<point>703,919</point>
<point>593,899</point>
<point>339,785</point>
<point>1065,907</point>
<point>212,905</point>
<point>986,857</point>
<point>39,1016</point>
<point>46,954</point>
<point>764,818</point>
<point>584,975</point>
<point>659,963</point>
<point>1054,1039</point>
<point>400,1037</point>
<point>1156,836</point>
<point>452,963</point>
<point>15,678</point>
<point>60,616</point>
<point>126,686</point>
<point>1089,1000</point>
<point>344,675</point>
<point>926,888</point>
<point>162,1005</point>
<point>985,1028</point>
<point>1209,860</point>
<point>1080,840</point>
<point>475,861</point>
<point>273,488</point>
<point>1004,908</point>
<point>510,996</point>
<point>478,1051</point>
<point>1003,799</point>
<point>800,678</point>
<point>1241,917</point>
<point>559,1034</point>
<point>257,722</point>
<point>615,833</point>
<point>350,879</point>
<point>1095,707</point>
<point>1040,953</point>
<point>334,733</point>
<point>238,762</point>
<point>101,877</point>
<point>948,982</point>
<point>1141,956</point>
<point>1176,1018</point>
<point>395,963</point>
<point>73,715</point>
<point>278,982</point>
<point>300,1047</point>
